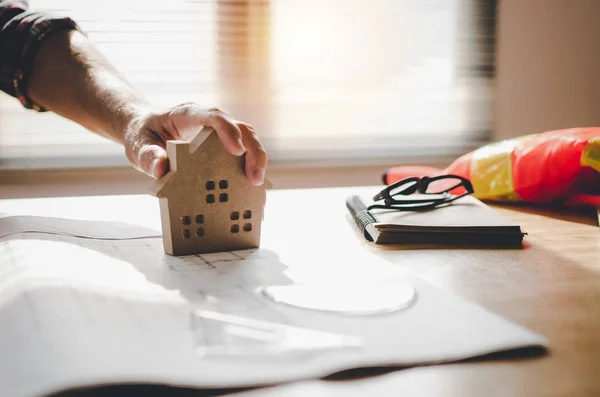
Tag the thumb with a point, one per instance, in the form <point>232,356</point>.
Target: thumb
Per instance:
<point>153,160</point>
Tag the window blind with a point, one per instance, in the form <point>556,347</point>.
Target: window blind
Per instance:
<point>319,79</point>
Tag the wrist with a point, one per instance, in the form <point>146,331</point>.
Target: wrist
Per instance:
<point>126,116</point>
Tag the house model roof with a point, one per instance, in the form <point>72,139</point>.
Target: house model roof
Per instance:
<point>207,139</point>
<point>207,203</point>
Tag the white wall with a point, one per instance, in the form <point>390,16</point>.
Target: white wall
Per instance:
<point>548,66</point>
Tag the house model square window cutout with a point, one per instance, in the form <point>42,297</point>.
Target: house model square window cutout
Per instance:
<point>207,186</point>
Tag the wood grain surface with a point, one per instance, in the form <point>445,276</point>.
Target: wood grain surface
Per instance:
<point>551,286</point>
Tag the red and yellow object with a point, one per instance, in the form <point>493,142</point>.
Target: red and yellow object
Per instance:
<point>561,166</point>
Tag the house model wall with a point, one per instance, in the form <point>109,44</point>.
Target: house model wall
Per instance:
<point>207,203</point>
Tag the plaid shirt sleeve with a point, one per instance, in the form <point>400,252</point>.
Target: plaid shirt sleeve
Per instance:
<point>21,35</point>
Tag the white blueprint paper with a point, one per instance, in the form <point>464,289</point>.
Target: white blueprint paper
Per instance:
<point>79,311</point>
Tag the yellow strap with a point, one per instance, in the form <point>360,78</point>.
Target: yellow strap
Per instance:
<point>491,170</point>
<point>590,157</point>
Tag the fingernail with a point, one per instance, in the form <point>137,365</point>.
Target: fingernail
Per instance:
<point>153,166</point>
<point>259,175</point>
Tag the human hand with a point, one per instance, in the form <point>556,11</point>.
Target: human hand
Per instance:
<point>147,134</point>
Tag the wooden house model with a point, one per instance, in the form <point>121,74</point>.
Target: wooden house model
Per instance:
<point>207,204</point>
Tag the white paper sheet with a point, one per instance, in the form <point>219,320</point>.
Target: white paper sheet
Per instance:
<point>76,312</point>
<point>15,224</point>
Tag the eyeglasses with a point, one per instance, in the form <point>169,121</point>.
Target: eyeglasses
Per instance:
<point>432,193</point>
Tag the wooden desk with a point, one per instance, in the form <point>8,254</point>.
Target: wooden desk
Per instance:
<point>552,286</point>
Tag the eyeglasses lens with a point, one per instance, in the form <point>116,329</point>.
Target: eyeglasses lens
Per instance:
<point>444,185</point>
<point>405,189</point>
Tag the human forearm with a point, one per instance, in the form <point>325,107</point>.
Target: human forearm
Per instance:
<point>72,78</point>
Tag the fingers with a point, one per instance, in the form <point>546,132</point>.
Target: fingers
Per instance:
<point>154,160</point>
<point>188,119</point>
<point>147,153</point>
<point>146,139</point>
<point>256,156</point>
